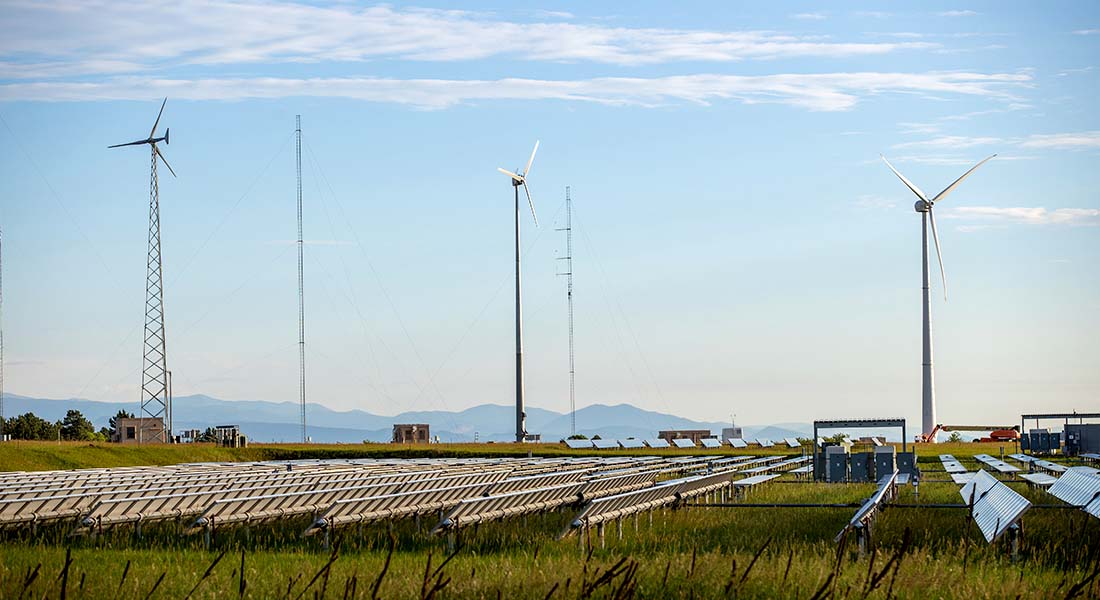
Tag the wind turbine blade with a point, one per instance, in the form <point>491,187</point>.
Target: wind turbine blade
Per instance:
<point>137,143</point>
<point>939,257</point>
<point>510,174</point>
<point>531,203</point>
<point>909,184</point>
<point>153,131</point>
<point>527,169</point>
<point>948,189</point>
<point>164,160</point>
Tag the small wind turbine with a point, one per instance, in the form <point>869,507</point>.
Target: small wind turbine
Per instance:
<point>924,206</point>
<point>520,179</point>
<point>156,401</point>
<point>152,141</point>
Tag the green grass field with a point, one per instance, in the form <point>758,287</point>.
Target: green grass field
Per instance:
<point>689,552</point>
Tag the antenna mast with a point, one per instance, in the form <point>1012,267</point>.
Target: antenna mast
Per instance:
<point>568,258</point>
<point>301,287</point>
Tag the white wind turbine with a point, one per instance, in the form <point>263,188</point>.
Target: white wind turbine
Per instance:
<point>924,206</point>
<point>520,179</point>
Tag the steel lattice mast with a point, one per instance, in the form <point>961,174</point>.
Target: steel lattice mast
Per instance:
<point>154,373</point>
<point>568,258</point>
<point>155,401</point>
<point>301,286</point>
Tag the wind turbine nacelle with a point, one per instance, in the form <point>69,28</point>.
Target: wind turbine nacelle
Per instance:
<point>166,130</point>
<point>922,206</point>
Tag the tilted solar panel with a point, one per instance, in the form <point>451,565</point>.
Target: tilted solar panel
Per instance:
<point>657,443</point>
<point>683,443</point>
<point>1078,486</point>
<point>995,506</point>
<point>711,443</point>
<point>738,443</point>
<point>578,444</point>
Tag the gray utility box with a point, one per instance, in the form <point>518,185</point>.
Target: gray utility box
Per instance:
<point>1082,438</point>
<point>907,463</point>
<point>836,464</point>
<point>885,461</point>
<point>861,464</point>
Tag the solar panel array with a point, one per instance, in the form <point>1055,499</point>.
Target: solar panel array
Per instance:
<point>340,492</point>
<point>994,506</point>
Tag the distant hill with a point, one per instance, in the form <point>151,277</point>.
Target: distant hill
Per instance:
<point>278,421</point>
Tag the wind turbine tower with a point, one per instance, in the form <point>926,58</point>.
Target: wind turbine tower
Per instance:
<point>924,206</point>
<point>155,402</point>
<point>568,258</point>
<point>518,180</point>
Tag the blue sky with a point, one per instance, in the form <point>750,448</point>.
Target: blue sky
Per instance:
<point>740,248</point>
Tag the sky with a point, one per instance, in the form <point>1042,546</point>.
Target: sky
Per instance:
<point>739,246</point>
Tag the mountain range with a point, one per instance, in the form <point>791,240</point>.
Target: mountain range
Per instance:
<point>264,421</point>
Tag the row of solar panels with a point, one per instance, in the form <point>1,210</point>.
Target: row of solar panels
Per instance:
<point>1076,486</point>
<point>602,444</point>
<point>342,492</point>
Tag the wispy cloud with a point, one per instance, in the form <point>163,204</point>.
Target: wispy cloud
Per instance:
<point>1066,72</point>
<point>84,37</point>
<point>957,13</point>
<point>950,160</point>
<point>1086,32</point>
<point>950,141</point>
<point>872,14</point>
<point>817,92</point>
<point>554,14</point>
<point>1025,215</point>
<point>811,16</point>
<point>1083,140</point>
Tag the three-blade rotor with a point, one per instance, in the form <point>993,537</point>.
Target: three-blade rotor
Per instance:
<point>928,204</point>
<point>152,140</point>
<point>520,179</point>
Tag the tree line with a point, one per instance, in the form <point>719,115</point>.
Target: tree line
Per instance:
<point>74,427</point>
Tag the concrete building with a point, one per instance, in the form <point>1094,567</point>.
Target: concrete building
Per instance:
<point>732,433</point>
<point>137,430</point>
<point>695,435</point>
<point>411,433</point>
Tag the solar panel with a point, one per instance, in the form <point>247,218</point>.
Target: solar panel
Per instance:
<point>605,444</point>
<point>711,443</point>
<point>738,443</point>
<point>619,505</point>
<point>1078,486</point>
<point>886,491</point>
<point>1021,458</point>
<point>764,442</point>
<point>1039,479</point>
<point>683,443</point>
<point>631,443</point>
<point>1050,466</point>
<point>657,443</point>
<point>962,478</point>
<point>792,443</point>
<point>578,444</point>
<point>999,465</point>
<point>995,506</point>
<point>951,465</point>
<point>489,508</point>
